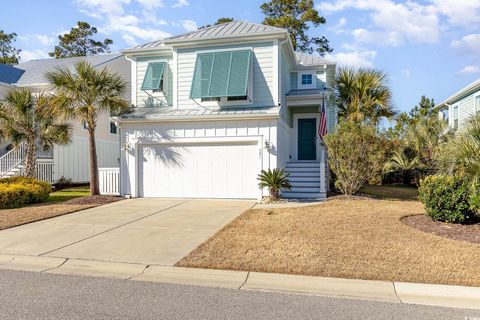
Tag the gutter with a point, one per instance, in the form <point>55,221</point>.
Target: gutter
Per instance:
<point>117,119</point>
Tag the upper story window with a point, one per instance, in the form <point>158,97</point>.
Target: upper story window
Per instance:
<point>154,79</point>
<point>306,80</point>
<point>455,117</point>
<point>477,102</point>
<point>113,128</point>
<point>222,76</point>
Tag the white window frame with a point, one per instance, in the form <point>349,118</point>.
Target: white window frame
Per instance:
<point>475,96</point>
<point>109,128</point>
<point>163,92</point>
<point>223,100</point>
<point>455,106</point>
<point>313,85</point>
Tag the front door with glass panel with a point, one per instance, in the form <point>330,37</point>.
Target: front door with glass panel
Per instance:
<point>307,149</point>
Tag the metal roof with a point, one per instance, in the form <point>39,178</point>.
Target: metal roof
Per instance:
<point>305,59</point>
<point>228,29</point>
<point>468,90</point>
<point>170,114</point>
<point>9,74</point>
<point>35,69</point>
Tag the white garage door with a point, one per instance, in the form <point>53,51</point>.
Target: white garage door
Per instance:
<point>199,170</point>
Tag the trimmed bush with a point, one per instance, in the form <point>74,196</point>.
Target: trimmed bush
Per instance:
<point>447,198</point>
<point>19,191</point>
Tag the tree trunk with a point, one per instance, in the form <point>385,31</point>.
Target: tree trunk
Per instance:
<point>30,158</point>
<point>94,189</point>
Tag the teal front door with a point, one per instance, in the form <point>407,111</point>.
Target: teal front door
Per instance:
<point>307,134</point>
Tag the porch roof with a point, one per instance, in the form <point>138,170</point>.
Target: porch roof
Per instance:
<point>170,114</point>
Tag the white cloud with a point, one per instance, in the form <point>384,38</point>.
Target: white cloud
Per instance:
<point>340,26</point>
<point>464,13</point>
<point>118,20</point>
<point>181,3</point>
<point>394,23</point>
<point>469,44</point>
<point>189,25</point>
<point>27,55</point>
<point>354,58</point>
<point>470,70</point>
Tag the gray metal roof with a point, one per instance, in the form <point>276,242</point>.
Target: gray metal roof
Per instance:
<point>35,69</point>
<point>306,92</point>
<point>228,29</point>
<point>310,59</point>
<point>468,90</point>
<point>9,74</point>
<point>169,114</point>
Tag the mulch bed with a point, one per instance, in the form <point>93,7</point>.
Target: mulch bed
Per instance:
<point>98,200</point>
<point>463,232</point>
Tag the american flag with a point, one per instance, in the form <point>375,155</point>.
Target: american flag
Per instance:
<point>322,126</point>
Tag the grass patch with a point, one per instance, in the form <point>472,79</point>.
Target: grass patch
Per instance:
<point>68,194</point>
<point>358,238</point>
<point>390,192</point>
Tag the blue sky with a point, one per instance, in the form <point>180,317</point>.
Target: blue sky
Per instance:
<point>429,47</point>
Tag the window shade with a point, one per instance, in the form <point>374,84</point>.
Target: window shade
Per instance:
<point>221,74</point>
<point>153,76</point>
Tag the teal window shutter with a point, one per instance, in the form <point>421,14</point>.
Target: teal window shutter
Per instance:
<point>153,76</point>
<point>221,74</point>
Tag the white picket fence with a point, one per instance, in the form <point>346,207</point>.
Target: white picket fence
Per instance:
<point>109,181</point>
<point>45,171</point>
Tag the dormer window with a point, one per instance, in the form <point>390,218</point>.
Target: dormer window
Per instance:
<point>153,79</point>
<point>306,80</point>
<point>222,76</point>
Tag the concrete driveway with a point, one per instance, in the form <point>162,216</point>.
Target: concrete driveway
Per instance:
<point>147,231</point>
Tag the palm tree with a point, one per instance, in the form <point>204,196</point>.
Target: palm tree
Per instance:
<point>363,95</point>
<point>275,180</point>
<point>28,118</point>
<point>400,161</point>
<point>425,136</point>
<point>461,153</point>
<point>85,94</point>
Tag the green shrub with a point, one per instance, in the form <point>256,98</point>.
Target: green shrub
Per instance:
<point>447,198</point>
<point>20,191</point>
<point>275,180</point>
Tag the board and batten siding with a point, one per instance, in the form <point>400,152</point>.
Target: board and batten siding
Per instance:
<point>133,132</point>
<point>149,98</point>
<point>73,160</point>
<point>262,59</point>
<point>466,109</point>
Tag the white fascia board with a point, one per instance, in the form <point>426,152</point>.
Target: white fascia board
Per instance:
<point>198,118</point>
<point>471,88</point>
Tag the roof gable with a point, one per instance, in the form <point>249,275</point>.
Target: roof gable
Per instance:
<point>228,29</point>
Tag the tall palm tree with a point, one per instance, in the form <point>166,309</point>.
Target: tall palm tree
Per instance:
<point>363,95</point>
<point>461,153</point>
<point>28,118</point>
<point>84,94</point>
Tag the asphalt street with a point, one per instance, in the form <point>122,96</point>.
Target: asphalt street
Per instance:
<point>27,295</point>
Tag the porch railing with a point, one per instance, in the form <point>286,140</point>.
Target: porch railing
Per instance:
<point>109,181</point>
<point>45,171</point>
<point>12,160</point>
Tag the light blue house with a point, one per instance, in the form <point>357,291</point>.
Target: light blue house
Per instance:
<point>461,105</point>
<point>215,106</point>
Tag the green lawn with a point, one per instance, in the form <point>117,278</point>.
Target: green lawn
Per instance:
<point>390,192</point>
<point>68,193</point>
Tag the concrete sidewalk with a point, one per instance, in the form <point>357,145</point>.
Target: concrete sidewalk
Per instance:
<point>386,291</point>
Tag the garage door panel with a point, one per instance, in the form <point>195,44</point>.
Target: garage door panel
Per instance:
<point>199,170</point>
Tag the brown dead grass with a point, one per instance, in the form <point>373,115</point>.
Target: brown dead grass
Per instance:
<point>347,238</point>
<point>14,217</point>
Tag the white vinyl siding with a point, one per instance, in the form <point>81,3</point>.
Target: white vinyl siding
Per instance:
<point>148,98</point>
<point>466,109</point>
<point>262,62</point>
<point>73,160</point>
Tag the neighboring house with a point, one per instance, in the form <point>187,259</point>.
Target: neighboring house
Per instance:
<point>72,160</point>
<point>215,106</point>
<point>461,105</point>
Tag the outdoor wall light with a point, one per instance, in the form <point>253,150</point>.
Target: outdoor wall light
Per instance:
<point>268,145</point>
<point>127,147</point>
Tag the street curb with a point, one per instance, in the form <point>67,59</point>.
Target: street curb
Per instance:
<point>372,290</point>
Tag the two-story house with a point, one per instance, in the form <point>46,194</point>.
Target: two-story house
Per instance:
<point>72,160</point>
<point>460,106</point>
<point>215,106</point>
